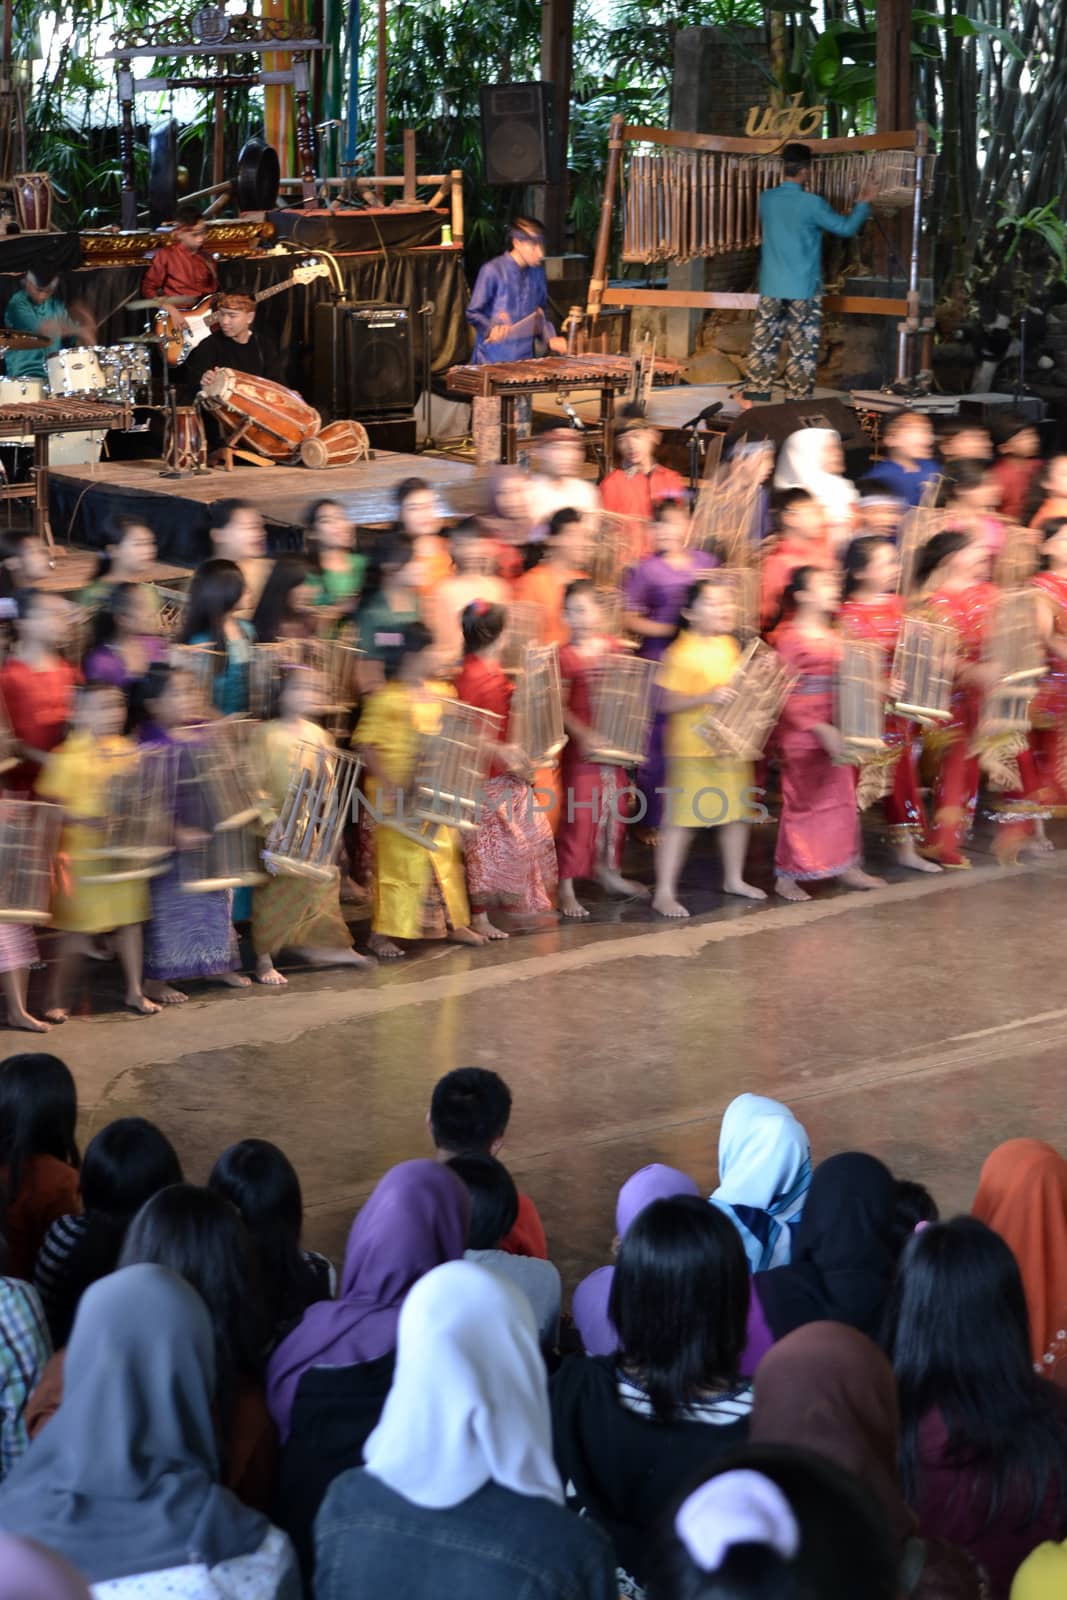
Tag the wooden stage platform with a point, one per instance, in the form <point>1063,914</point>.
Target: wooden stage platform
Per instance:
<point>83,498</point>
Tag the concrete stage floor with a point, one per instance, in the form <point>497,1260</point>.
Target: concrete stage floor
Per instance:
<point>925,1022</point>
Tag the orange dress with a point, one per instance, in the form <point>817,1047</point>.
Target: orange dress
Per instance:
<point>545,586</point>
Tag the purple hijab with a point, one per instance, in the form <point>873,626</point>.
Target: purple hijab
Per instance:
<point>590,1304</point>
<point>30,1572</point>
<point>416,1219</point>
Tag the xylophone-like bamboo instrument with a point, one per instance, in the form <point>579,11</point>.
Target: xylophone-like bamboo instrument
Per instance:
<point>554,372</point>
<point>60,416</point>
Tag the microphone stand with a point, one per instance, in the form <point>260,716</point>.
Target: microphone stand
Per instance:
<point>426,313</point>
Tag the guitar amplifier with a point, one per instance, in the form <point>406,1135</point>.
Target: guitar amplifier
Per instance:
<point>364,362</point>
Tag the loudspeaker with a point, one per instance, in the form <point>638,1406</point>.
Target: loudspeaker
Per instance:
<point>363,360</point>
<point>518,133</point>
<point>988,407</point>
<point>778,422</point>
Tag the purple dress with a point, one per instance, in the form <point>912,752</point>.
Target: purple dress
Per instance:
<point>106,665</point>
<point>657,591</point>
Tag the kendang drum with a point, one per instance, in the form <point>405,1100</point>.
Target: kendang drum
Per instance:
<point>338,445</point>
<point>33,201</point>
<point>258,414</point>
<point>75,372</point>
<point>184,440</point>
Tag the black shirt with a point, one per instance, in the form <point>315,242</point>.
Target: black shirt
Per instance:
<point>259,357</point>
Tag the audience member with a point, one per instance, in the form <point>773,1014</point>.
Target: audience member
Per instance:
<point>1022,1195</point>
<point>30,1572</point>
<point>764,1176</point>
<point>494,1210</point>
<point>39,1157</point>
<point>459,1495</point>
<point>469,1114</point>
<point>24,1352</point>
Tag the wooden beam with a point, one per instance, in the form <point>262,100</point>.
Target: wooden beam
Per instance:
<point>713,300</point>
<point>904,140</point>
<point>379,97</point>
<point>410,179</point>
<point>895,107</point>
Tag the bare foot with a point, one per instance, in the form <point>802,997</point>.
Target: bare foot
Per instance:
<point>464,936</point>
<point>488,930</point>
<point>344,956</point>
<point>353,894</point>
<point>141,1005</point>
<point>856,878</point>
<point>267,973</point>
<point>908,856</point>
<point>1037,849</point>
<point>789,889</point>
<point>747,891</point>
<point>384,949</point>
<point>615,883</point>
<point>27,1024</point>
<point>164,994</point>
<point>56,1016</point>
<point>233,980</point>
<point>570,905</point>
<point>665,905</point>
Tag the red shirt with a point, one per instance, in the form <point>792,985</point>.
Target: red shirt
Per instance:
<point>38,704</point>
<point>527,1237</point>
<point>635,494</point>
<point>174,270</point>
<point>1016,476</point>
<point>486,686</point>
<point>48,1189</point>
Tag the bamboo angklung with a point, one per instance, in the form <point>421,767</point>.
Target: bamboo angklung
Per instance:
<point>761,685</point>
<point>448,785</point>
<point>924,663</point>
<point>859,699</point>
<point>29,842</point>
<point>620,693</point>
<point>537,707</point>
<point>306,839</point>
<point>135,834</point>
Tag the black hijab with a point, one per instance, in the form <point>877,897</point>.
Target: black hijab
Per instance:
<point>842,1263</point>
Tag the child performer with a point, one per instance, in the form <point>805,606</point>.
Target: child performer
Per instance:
<point>76,777</point>
<point>873,611</point>
<point>337,569</point>
<point>418,893</point>
<point>801,541</point>
<point>188,935</point>
<point>702,790</point>
<point>295,913</point>
<point>36,684</point>
<point>951,573</point>
<point>511,858</point>
<point>591,829</point>
<point>472,579</point>
<point>418,517</point>
<point>563,563</point>
<point>1049,708</point>
<point>215,595</point>
<point>1018,464</point>
<point>819,830</point>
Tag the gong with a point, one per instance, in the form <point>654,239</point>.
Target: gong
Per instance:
<point>258,176</point>
<point>163,172</point>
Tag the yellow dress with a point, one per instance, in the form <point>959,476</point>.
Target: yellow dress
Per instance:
<point>76,777</point>
<point>290,912</point>
<point>712,791</point>
<point>406,875</point>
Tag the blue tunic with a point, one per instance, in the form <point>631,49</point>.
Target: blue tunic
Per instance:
<point>21,313</point>
<point>502,286</point>
<point>793,222</point>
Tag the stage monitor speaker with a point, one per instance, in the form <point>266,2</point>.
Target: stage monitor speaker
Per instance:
<point>364,363</point>
<point>518,133</point>
<point>778,422</point>
<point>988,407</point>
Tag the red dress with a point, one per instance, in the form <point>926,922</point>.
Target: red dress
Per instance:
<point>592,821</point>
<point>38,703</point>
<point>1049,709</point>
<point>510,858</point>
<point>819,829</point>
<point>970,612</point>
<point>779,565</point>
<point>878,622</point>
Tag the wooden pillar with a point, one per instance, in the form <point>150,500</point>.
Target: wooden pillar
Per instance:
<point>895,102</point>
<point>127,149</point>
<point>557,53</point>
<point>380,77</point>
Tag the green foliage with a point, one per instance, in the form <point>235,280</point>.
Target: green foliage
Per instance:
<point>1041,224</point>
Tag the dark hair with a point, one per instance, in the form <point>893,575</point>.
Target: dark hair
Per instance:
<point>799,579</point>
<point>958,1335</point>
<point>395,550</point>
<point>482,622</point>
<point>187,216</point>
<point>940,548</point>
<point>1007,425</point>
<point>783,500</point>
<point>913,1203</point>
<point>26,600</point>
<point>579,586</point>
<point>525,227</point>
<point>261,1182</point>
<point>125,1164</point>
<point>403,492</point>
<point>692,595</point>
<point>905,414</point>
<point>415,637</point>
<point>275,607</point>
<point>311,517</point>
<point>200,1236</point>
<point>469,1110</point>
<point>494,1199</point>
<point>795,158</point>
<point>1048,530</point>
<point>106,619</point>
<point>151,687</point>
<point>563,518</point>
<point>672,502</point>
<point>847,1549</point>
<point>115,530</point>
<point>965,475</point>
<point>215,591</point>
<point>858,559</point>
<point>38,1114</point>
<point>679,1301</point>
<point>220,512</point>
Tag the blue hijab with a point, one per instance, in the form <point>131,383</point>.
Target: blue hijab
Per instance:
<point>764,1177</point>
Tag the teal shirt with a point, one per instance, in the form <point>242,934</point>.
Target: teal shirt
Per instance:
<point>21,313</point>
<point>793,223</point>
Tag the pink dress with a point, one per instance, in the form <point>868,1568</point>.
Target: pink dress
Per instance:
<point>819,830</point>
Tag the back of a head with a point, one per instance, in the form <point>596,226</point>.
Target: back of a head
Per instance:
<point>796,160</point>
<point>126,1163</point>
<point>38,1112</point>
<point>777,1523</point>
<point>679,1300</point>
<point>261,1183</point>
<point>494,1199</point>
<point>469,1111</point>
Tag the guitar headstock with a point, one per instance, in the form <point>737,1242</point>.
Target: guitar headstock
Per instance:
<point>310,270</point>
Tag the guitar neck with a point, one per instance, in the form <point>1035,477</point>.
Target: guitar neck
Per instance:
<point>275,288</point>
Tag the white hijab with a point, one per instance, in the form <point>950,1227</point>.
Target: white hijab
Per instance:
<point>800,466</point>
<point>763,1151</point>
<point>469,1401</point>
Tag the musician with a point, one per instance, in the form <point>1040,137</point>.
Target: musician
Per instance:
<point>511,292</point>
<point>793,222</point>
<point>181,268</point>
<point>39,308</point>
<point>234,344</point>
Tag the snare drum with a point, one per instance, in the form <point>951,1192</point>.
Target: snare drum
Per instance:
<point>184,441</point>
<point>338,445</point>
<point>258,414</point>
<point>19,391</point>
<point>75,372</point>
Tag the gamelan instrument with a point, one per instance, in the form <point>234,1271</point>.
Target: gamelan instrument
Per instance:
<point>620,696</point>
<point>258,414</point>
<point>184,440</point>
<point>761,685</point>
<point>179,342</point>
<point>553,372</point>
<point>135,836</point>
<point>306,839</point>
<point>109,247</point>
<point>33,201</point>
<point>925,663</point>
<point>29,841</point>
<point>860,699</point>
<point>42,417</point>
<point>339,444</point>
<point>447,786</point>
<point>536,723</point>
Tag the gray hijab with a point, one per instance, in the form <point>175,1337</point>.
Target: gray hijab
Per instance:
<point>123,1480</point>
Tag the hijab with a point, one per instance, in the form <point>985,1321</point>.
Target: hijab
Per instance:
<point>843,1256</point>
<point>416,1219</point>
<point>469,1401</point>
<point>29,1572</point>
<point>800,466</point>
<point>590,1304</point>
<point>764,1176</point>
<point>1022,1195</point>
<point>829,1388</point>
<point>123,1480</point>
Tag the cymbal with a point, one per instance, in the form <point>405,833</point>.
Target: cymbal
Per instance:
<point>168,304</point>
<point>15,339</point>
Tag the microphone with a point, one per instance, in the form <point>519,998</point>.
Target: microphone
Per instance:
<point>708,412</point>
<point>572,415</point>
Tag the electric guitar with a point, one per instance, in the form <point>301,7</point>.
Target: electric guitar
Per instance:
<point>178,342</point>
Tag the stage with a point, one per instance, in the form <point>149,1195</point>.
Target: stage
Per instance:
<point>83,498</point>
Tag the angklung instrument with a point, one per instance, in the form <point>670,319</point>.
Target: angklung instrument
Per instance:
<point>216,798</point>
<point>135,834</point>
<point>29,841</point>
<point>924,664</point>
<point>536,723</point>
<point>447,788</point>
<point>305,842</point>
<point>620,710</point>
<point>860,699</point>
<point>760,685</point>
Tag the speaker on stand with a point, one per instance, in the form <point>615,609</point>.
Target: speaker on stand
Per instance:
<point>518,133</point>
